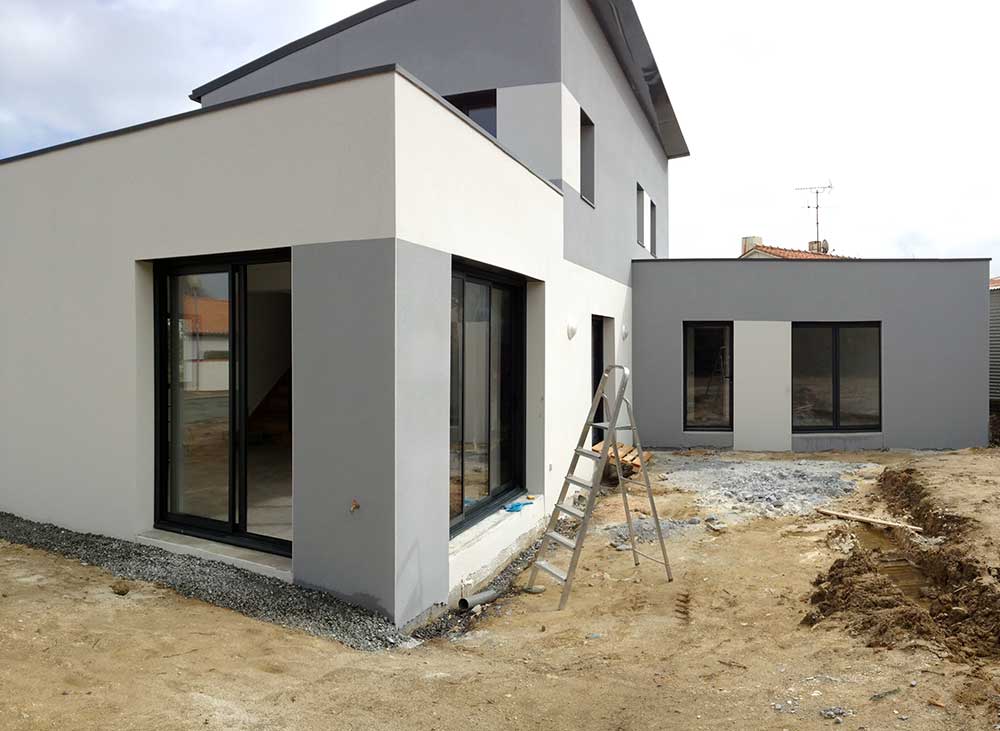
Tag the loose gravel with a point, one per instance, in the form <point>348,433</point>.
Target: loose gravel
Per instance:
<point>751,488</point>
<point>645,531</point>
<point>256,596</point>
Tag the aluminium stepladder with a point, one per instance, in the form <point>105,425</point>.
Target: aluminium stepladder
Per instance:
<point>552,540</point>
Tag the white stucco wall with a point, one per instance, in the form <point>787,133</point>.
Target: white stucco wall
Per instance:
<point>76,325</point>
<point>499,214</point>
<point>762,386</point>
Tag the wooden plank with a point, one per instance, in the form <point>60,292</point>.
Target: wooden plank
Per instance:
<point>866,519</point>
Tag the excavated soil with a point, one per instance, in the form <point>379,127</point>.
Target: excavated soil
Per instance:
<point>905,588</point>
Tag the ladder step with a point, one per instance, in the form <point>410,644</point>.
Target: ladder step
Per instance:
<point>551,570</point>
<point>651,558</point>
<point>607,425</point>
<point>570,510</point>
<point>589,454</point>
<point>561,540</point>
<point>579,482</point>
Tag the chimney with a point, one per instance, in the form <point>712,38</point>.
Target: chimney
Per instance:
<point>751,241</point>
<point>819,247</point>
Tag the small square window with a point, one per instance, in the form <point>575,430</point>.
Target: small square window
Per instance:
<point>479,106</point>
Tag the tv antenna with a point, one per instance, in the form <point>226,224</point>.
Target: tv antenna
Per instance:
<point>816,190</point>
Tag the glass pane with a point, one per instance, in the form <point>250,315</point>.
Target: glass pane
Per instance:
<point>269,399</point>
<point>707,376</point>
<point>812,377</point>
<point>503,401</point>
<point>476,391</point>
<point>859,376</point>
<point>485,117</point>
<point>455,446</point>
<point>198,402</point>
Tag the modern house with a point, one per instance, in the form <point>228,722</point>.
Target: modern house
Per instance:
<point>328,325</point>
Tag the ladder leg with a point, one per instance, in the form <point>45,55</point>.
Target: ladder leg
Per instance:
<point>649,492</point>
<point>628,514</point>
<point>581,534</point>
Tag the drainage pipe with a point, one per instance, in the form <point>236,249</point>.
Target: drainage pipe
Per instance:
<point>467,603</point>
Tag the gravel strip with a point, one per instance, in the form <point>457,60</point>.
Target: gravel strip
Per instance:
<point>257,596</point>
<point>454,623</point>
<point>758,487</point>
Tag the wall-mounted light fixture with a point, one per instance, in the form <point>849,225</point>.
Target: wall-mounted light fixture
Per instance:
<point>570,331</point>
<point>624,332</point>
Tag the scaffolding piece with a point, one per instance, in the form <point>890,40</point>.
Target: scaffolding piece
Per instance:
<point>552,540</point>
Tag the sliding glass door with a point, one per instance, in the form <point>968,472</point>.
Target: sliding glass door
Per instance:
<point>487,394</point>
<point>223,399</point>
<point>199,404</point>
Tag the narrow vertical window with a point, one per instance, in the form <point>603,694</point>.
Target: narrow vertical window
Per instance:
<point>652,228</point>
<point>588,176</point>
<point>708,376</point>
<point>640,215</point>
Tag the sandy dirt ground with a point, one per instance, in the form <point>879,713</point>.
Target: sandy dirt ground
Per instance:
<point>723,646</point>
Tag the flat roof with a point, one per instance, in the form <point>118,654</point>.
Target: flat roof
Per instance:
<point>618,20</point>
<point>813,261</point>
<point>290,89</point>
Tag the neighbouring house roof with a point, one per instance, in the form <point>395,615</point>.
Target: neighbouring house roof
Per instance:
<point>778,252</point>
<point>207,316</point>
<point>618,20</point>
<point>995,283</point>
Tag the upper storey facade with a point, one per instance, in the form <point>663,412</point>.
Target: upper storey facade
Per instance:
<point>568,86</point>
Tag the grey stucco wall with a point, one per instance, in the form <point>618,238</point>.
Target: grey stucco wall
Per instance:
<point>934,317</point>
<point>371,390</point>
<point>343,408</point>
<point>603,238</point>
<point>451,45</point>
<point>423,397</point>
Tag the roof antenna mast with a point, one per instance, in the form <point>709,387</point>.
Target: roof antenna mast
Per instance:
<point>816,190</point>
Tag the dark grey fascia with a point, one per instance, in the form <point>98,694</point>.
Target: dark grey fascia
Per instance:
<point>623,29</point>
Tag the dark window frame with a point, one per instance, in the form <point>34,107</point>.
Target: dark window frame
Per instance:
<point>232,531</point>
<point>652,227</point>
<point>835,328</point>
<point>689,325</point>
<point>640,215</point>
<point>481,274</point>
<point>588,159</point>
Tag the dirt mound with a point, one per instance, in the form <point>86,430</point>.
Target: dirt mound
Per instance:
<point>870,603</point>
<point>958,607</point>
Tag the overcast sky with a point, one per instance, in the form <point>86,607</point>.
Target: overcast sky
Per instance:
<point>897,102</point>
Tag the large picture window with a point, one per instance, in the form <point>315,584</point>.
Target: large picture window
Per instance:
<point>836,377</point>
<point>708,376</point>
